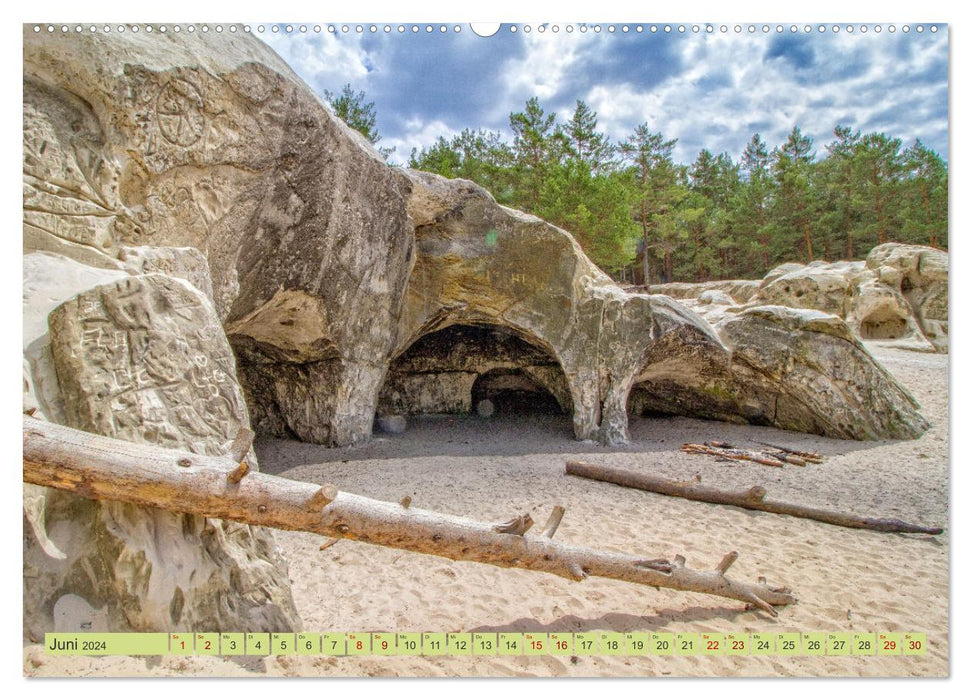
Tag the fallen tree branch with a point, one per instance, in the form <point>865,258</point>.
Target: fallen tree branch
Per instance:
<point>104,468</point>
<point>752,499</point>
<point>554,521</point>
<point>728,452</point>
<point>813,457</point>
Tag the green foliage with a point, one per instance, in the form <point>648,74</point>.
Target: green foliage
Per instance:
<point>640,215</point>
<point>356,112</point>
<point>359,114</point>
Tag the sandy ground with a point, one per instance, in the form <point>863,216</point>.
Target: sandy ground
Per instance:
<point>846,580</point>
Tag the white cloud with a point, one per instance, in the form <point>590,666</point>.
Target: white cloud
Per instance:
<point>417,134</point>
<point>548,60</point>
<point>772,96</point>
<point>322,59</point>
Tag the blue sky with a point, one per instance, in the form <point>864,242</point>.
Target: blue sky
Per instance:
<point>708,90</point>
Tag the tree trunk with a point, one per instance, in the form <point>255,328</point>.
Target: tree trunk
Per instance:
<point>752,499</point>
<point>103,468</point>
<point>646,262</point>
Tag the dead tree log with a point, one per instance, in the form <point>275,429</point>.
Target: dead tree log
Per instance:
<point>753,499</point>
<point>107,469</point>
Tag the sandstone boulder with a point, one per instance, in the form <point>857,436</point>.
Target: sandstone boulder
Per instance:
<point>184,263</point>
<point>920,275</point>
<point>714,296</point>
<point>897,297</point>
<point>210,141</point>
<point>823,287</point>
<point>813,375</point>
<point>144,359</point>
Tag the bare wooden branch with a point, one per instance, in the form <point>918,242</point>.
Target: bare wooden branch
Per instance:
<point>517,526</point>
<point>241,444</point>
<point>807,456</point>
<point>103,468</point>
<point>726,562</point>
<point>325,495</point>
<point>721,449</point>
<point>554,521</point>
<point>752,499</point>
<point>233,477</point>
<point>329,543</point>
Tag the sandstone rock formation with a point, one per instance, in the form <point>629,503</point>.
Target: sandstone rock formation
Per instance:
<point>497,291</point>
<point>187,194</point>
<point>919,274</point>
<point>210,141</point>
<point>144,358</point>
<point>897,296</point>
<point>740,291</point>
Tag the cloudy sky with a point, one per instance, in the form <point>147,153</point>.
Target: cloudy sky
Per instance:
<point>708,90</point>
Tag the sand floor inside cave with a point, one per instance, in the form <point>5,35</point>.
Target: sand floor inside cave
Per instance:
<point>846,580</point>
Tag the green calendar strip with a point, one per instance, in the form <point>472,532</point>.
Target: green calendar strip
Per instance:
<point>488,644</point>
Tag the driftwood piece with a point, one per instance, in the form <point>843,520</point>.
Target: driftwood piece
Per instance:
<point>241,444</point>
<point>554,521</point>
<point>752,499</point>
<point>720,450</point>
<point>814,457</point>
<point>517,526</point>
<point>97,467</point>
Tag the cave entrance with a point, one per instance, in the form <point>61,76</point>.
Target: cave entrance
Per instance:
<point>883,325</point>
<point>511,392</point>
<point>465,367</point>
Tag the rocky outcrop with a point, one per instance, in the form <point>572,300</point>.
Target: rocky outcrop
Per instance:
<point>489,270</point>
<point>739,291</point>
<point>209,141</point>
<point>897,297</point>
<point>144,358</point>
<point>919,275</point>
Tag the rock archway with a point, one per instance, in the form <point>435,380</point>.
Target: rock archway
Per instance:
<point>452,369</point>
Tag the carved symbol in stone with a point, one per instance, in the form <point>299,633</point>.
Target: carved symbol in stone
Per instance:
<point>179,112</point>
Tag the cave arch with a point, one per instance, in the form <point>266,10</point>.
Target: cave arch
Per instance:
<point>504,391</point>
<point>450,368</point>
<point>883,324</point>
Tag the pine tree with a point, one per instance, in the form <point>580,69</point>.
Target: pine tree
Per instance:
<point>586,143</point>
<point>793,205</point>
<point>537,144</point>
<point>658,190</point>
<point>751,202</point>
<point>880,166</point>
<point>359,114</point>
<point>926,196</point>
<point>354,109</point>
<point>839,183</point>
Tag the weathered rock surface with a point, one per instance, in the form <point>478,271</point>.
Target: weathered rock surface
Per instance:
<point>739,291</point>
<point>815,376</point>
<point>483,271</point>
<point>210,141</point>
<point>898,296</point>
<point>792,368</point>
<point>184,263</point>
<point>144,359</point>
<point>920,275</point>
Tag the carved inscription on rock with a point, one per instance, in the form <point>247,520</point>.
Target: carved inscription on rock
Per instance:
<point>179,108</point>
<point>144,359</point>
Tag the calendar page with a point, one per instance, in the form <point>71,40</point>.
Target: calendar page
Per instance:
<point>598,349</point>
